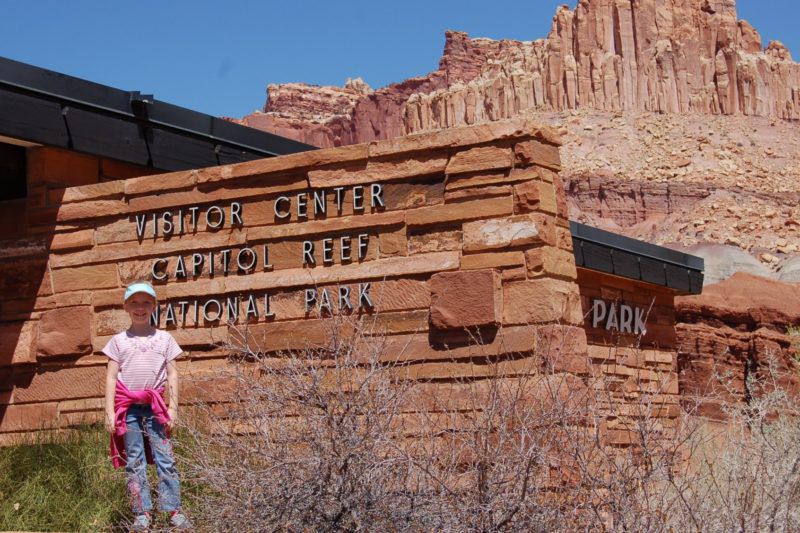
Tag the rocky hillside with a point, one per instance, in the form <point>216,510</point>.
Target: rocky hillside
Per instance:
<point>680,125</point>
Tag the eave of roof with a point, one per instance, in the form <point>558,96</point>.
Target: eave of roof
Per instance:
<point>46,107</point>
<point>603,251</point>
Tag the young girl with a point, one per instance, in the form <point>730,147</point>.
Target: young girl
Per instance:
<point>141,360</point>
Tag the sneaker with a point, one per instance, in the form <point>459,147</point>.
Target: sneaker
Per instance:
<point>141,522</point>
<point>178,520</point>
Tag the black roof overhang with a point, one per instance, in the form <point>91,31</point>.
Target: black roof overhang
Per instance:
<point>54,109</point>
<point>603,251</point>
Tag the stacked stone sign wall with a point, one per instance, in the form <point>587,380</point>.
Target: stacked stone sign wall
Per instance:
<point>431,233</point>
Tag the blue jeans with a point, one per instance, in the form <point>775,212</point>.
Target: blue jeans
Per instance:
<point>140,421</point>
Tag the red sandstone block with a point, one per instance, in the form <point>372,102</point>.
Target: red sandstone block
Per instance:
<point>449,369</point>
<point>547,198</point>
<point>90,209</point>
<point>110,322</point>
<point>73,240</point>
<point>492,260</point>
<point>65,331</point>
<point>23,278</point>
<point>450,345</point>
<point>66,382</point>
<point>292,162</point>
<point>402,322</point>
<point>28,417</point>
<point>519,128</point>
<point>391,244</point>
<point>564,348</point>
<point>561,200</point>
<point>185,179</point>
<point>564,239</point>
<point>480,158</point>
<point>477,179</point>
<point>18,342</point>
<point>537,153</point>
<point>379,169</point>
<point>551,262</point>
<point>99,191</point>
<point>514,274</point>
<point>476,209</point>
<point>88,277</point>
<point>527,196</point>
<point>466,299</point>
<point>499,233</point>
<point>542,300</point>
<point>476,193</point>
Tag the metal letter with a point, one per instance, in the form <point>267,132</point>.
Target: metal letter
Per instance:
<point>155,317</point>
<point>639,328</point>
<point>236,214</point>
<point>344,298</point>
<point>302,205</point>
<point>625,318</point>
<point>169,319</point>
<point>267,265</point>
<point>327,250</point>
<point>252,308</point>
<point>363,242</point>
<point>180,268</point>
<point>156,276</point>
<point>233,309</point>
<point>363,295</point>
<point>598,312</point>
<point>311,299</point>
<point>141,225</point>
<point>193,211</point>
<point>339,197</point>
<point>211,264</point>
<point>197,264</point>
<point>253,259</point>
<point>267,312</point>
<point>155,225</point>
<point>344,249</point>
<point>218,311</point>
<point>220,221</point>
<point>358,198</point>
<point>325,302</point>
<point>181,222</point>
<point>376,195</point>
<point>226,260</point>
<point>308,253</point>
<point>613,319</point>
<point>320,203</point>
<point>183,305</point>
<point>166,222</point>
<point>278,212</point>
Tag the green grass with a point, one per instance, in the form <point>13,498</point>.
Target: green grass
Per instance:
<point>62,485</point>
<point>68,484</point>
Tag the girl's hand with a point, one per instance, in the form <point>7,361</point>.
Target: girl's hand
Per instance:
<point>173,417</point>
<point>110,424</point>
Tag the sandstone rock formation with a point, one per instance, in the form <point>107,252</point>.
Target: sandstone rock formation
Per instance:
<point>703,114</point>
<point>675,56</point>
<point>734,332</point>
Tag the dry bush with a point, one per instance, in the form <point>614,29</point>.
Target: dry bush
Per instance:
<point>340,437</point>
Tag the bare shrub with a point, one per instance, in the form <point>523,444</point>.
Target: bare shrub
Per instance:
<point>346,437</point>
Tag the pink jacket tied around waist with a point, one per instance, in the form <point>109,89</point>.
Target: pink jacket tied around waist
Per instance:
<point>123,399</point>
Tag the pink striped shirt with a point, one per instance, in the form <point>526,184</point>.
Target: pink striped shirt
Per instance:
<point>142,360</point>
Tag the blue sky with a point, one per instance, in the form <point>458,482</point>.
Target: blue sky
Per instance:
<point>218,57</point>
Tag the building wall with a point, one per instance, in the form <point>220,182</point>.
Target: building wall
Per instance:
<point>461,230</point>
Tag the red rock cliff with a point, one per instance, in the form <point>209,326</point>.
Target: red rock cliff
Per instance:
<point>665,56</point>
